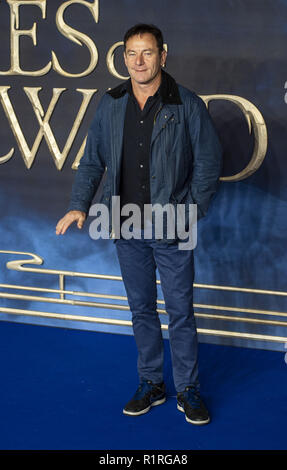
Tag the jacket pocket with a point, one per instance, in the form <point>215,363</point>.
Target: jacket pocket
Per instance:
<point>180,197</point>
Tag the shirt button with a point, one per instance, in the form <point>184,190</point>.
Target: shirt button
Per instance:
<point>143,186</point>
<point>141,122</point>
<point>141,166</point>
<point>140,144</point>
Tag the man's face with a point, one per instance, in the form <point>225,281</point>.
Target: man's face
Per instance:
<point>142,58</point>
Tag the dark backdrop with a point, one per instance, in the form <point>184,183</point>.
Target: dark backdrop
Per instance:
<point>214,47</point>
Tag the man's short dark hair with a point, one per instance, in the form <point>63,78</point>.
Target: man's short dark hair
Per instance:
<point>142,28</point>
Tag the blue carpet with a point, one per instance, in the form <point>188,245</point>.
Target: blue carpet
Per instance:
<point>65,389</point>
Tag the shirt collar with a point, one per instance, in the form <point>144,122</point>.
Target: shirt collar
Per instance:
<point>168,89</point>
<point>129,88</point>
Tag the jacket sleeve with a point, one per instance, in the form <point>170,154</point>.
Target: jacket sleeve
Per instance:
<point>91,167</point>
<point>207,157</point>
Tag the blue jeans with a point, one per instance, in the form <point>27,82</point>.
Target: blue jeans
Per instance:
<point>138,260</point>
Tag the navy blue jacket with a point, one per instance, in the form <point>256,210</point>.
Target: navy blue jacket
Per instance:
<point>185,156</point>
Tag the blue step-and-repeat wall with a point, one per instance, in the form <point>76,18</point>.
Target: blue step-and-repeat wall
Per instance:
<point>56,60</point>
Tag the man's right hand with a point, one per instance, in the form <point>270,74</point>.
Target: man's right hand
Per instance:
<point>68,219</point>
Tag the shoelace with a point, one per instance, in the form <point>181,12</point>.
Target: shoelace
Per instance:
<point>143,388</point>
<point>193,397</point>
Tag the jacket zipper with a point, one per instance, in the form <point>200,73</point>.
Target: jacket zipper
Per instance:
<point>156,114</point>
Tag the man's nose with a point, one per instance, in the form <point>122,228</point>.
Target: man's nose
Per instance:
<point>139,59</point>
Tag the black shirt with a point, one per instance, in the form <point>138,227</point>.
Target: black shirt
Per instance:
<point>135,166</point>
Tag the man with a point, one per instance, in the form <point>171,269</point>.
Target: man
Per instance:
<point>155,142</point>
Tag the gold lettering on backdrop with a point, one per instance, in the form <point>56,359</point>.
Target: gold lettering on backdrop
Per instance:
<point>110,60</point>
<point>77,37</point>
<point>80,153</point>
<point>16,33</point>
<point>253,116</point>
<point>44,126</point>
<point>7,157</point>
<point>254,120</point>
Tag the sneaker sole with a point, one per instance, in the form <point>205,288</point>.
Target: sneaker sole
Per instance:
<point>145,410</point>
<point>204,421</point>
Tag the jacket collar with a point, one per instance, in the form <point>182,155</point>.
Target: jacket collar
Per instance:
<point>168,90</point>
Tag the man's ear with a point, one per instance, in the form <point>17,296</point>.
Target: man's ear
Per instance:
<point>163,58</point>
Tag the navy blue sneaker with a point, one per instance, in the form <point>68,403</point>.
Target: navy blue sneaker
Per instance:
<point>147,395</point>
<point>190,403</point>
